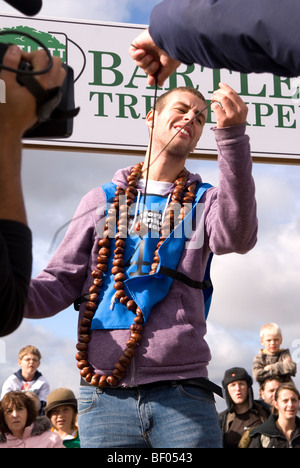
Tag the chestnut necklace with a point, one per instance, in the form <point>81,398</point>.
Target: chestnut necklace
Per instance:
<point>181,194</point>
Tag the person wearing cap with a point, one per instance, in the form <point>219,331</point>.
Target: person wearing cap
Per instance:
<point>61,409</point>
<point>242,412</point>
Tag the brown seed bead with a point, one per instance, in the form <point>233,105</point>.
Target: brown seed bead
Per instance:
<point>89,376</point>
<point>89,314</point>
<point>131,344</point>
<point>124,361</point>
<point>138,319</point>
<point>82,364</point>
<point>119,285</point>
<point>102,381</point>
<point>188,200</point>
<point>98,282</point>
<point>136,336</point>
<point>104,251</point>
<point>131,305</point>
<point>116,270</point>
<point>84,330</point>
<point>120,367</point>
<point>120,293</point>
<point>179,182</point>
<point>111,380</point>
<point>124,300</point>
<point>119,250</point>
<point>82,346</point>
<point>129,352</point>
<point>85,322</point>
<point>136,327</point>
<point>130,194</point>
<point>84,338</point>
<point>94,289</point>
<point>97,274</point>
<point>176,197</point>
<point>102,259</point>
<point>119,263</point>
<point>104,242</point>
<point>133,183</point>
<point>154,266</point>
<point>102,266</point>
<point>131,177</point>
<point>93,297</point>
<point>85,371</point>
<point>192,188</point>
<point>81,355</point>
<point>132,190</point>
<point>119,277</point>
<point>118,375</point>
<point>121,243</point>
<point>95,380</point>
<point>117,256</point>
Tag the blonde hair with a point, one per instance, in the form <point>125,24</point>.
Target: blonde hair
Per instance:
<point>29,350</point>
<point>271,328</point>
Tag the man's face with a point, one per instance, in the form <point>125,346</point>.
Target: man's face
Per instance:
<point>269,391</point>
<point>238,391</point>
<point>180,108</point>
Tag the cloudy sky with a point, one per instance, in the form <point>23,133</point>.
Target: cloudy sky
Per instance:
<point>262,286</point>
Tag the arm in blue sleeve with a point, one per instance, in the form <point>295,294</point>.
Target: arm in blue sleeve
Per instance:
<point>260,36</point>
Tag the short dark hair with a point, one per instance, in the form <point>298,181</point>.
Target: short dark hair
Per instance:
<point>161,100</point>
<point>17,399</point>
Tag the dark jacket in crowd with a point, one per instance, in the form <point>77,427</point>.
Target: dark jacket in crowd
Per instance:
<point>267,435</point>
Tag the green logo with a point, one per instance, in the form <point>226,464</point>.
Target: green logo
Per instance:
<point>27,44</point>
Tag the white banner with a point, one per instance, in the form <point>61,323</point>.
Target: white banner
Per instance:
<point>114,98</point>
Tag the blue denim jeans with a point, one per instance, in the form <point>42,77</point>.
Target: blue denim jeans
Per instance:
<point>178,416</point>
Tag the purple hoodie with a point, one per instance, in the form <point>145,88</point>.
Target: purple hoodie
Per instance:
<point>173,345</point>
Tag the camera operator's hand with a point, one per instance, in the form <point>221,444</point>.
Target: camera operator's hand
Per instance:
<point>17,115</point>
<point>19,111</point>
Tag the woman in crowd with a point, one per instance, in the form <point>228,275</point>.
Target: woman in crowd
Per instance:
<point>21,428</point>
<point>282,428</point>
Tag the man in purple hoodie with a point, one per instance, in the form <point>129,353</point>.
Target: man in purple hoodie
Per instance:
<point>147,295</point>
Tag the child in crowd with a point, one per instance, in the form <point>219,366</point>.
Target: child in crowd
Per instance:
<point>61,409</point>
<point>21,428</point>
<point>28,378</point>
<point>272,361</point>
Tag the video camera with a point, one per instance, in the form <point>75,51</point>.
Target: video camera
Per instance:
<point>55,107</point>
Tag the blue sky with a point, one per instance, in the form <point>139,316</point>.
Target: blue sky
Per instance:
<point>250,290</point>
